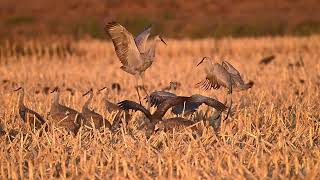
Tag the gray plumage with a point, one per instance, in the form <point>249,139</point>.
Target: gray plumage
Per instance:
<point>222,75</point>
<point>64,116</point>
<point>237,81</point>
<point>111,107</point>
<point>157,97</point>
<point>135,58</point>
<point>132,53</point>
<point>174,123</point>
<point>28,116</point>
<point>167,104</point>
<point>93,118</point>
<point>141,39</point>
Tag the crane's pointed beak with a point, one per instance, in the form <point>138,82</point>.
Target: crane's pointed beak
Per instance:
<point>18,89</point>
<point>162,40</point>
<point>102,89</point>
<point>54,90</point>
<point>201,61</point>
<point>87,92</point>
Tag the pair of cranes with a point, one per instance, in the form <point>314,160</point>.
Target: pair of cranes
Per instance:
<point>136,58</point>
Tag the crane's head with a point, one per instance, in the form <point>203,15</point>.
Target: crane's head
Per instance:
<point>204,59</point>
<point>159,38</point>
<point>89,92</point>
<point>56,89</point>
<point>20,88</point>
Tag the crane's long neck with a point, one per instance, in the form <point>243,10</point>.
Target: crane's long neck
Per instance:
<point>21,98</point>
<point>56,98</point>
<point>88,102</point>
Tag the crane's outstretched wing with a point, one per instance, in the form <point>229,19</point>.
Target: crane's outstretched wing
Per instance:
<point>142,38</point>
<point>208,83</point>
<point>127,105</point>
<point>124,44</point>
<point>187,107</point>
<point>219,106</point>
<point>216,77</point>
<point>233,72</point>
<point>158,97</point>
<point>167,104</point>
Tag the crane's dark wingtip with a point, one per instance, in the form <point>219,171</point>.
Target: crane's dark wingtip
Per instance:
<point>125,105</point>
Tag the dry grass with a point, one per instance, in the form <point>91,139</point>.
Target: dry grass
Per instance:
<point>273,131</point>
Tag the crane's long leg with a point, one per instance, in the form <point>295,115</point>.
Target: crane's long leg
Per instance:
<point>143,87</point>
<point>147,94</point>
<point>137,89</point>
<point>230,106</point>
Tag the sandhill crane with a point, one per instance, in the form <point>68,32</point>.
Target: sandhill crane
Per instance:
<point>109,106</point>
<point>93,118</point>
<point>165,105</point>
<point>112,107</point>
<point>28,116</point>
<point>224,75</point>
<point>132,53</point>
<point>64,116</point>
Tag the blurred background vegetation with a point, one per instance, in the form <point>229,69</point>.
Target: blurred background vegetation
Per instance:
<point>171,18</point>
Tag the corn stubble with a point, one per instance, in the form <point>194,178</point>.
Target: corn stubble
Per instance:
<point>273,131</point>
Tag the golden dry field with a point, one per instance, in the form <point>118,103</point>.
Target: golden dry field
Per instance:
<point>273,131</point>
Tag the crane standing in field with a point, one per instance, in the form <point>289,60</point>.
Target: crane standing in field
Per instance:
<point>28,116</point>
<point>93,118</point>
<point>132,52</point>
<point>111,107</point>
<point>64,116</point>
